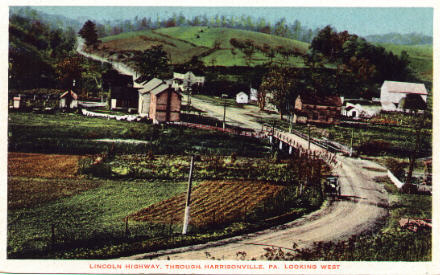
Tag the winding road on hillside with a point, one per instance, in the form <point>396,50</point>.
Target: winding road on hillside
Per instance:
<point>362,203</point>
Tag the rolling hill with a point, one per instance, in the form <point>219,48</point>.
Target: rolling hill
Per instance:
<point>420,57</point>
<point>211,45</point>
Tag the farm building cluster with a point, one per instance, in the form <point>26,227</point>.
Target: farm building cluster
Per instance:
<point>160,100</point>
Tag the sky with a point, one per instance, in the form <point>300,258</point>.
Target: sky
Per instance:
<point>361,21</point>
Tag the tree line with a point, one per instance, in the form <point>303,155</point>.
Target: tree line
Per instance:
<point>281,28</point>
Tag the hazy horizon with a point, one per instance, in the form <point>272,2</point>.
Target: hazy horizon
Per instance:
<point>361,21</point>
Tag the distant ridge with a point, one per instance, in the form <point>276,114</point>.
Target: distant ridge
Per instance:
<point>400,39</point>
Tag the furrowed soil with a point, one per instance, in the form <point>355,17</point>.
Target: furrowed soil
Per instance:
<point>38,178</point>
<point>212,202</point>
<point>43,165</point>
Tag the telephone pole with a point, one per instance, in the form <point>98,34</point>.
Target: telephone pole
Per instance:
<point>188,199</point>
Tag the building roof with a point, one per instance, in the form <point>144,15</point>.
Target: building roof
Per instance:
<point>163,88</point>
<point>242,93</point>
<point>405,87</point>
<point>72,93</point>
<point>321,100</point>
<point>150,85</point>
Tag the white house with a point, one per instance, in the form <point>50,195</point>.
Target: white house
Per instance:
<point>188,79</point>
<point>393,95</point>
<point>144,96</point>
<point>358,111</point>
<point>242,98</point>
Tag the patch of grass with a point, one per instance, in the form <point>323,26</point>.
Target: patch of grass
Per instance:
<point>77,134</point>
<point>92,218</point>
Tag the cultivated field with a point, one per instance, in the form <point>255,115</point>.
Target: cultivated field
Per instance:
<point>43,165</point>
<point>212,203</point>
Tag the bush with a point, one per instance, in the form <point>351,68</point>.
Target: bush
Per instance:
<point>374,147</point>
<point>396,167</point>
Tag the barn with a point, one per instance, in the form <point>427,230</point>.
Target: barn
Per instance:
<point>144,96</point>
<point>69,100</point>
<point>398,96</point>
<point>165,103</point>
<point>242,98</point>
<point>317,109</point>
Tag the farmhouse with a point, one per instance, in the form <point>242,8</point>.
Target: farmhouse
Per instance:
<point>165,103</point>
<point>69,100</point>
<point>188,79</point>
<point>317,109</point>
<point>242,98</point>
<point>402,96</point>
<point>144,96</point>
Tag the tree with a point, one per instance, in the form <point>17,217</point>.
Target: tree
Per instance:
<point>89,33</point>
<point>151,63</point>
<point>285,84</point>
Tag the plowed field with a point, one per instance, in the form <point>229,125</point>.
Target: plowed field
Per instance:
<point>212,202</point>
<point>43,165</point>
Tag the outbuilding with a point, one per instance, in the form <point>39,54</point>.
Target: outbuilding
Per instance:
<point>165,103</point>
<point>69,100</point>
<point>144,96</point>
<point>242,98</point>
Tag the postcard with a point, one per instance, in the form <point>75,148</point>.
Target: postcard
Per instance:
<point>219,138</point>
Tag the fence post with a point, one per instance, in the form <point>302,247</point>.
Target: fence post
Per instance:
<point>52,238</point>
<point>126,227</point>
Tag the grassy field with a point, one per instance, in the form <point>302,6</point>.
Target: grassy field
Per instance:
<point>84,217</point>
<point>182,43</point>
<point>77,134</point>
<point>420,56</point>
<point>74,204</point>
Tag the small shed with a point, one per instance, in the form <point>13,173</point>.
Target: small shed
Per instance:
<point>16,102</point>
<point>144,96</point>
<point>69,100</point>
<point>242,98</point>
<point>165,103</point>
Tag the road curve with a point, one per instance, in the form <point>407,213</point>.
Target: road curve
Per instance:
<point>362,204</point>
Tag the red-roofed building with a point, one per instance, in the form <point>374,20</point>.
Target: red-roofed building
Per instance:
<point>69,100</point>
<point>317,109</point>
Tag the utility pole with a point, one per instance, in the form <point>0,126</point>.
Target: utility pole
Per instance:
<point>308,125</point>
<point>224,96</point>
<point>188,199</point>
<point>351,142</point>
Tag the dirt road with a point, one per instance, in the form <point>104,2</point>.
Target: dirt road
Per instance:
<point>362,204</point>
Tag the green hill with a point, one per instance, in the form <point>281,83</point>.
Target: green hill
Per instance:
<point>211,45</point>
<point>420,57</point>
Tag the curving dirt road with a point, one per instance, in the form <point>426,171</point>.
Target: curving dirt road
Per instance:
<point>362,204</point>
